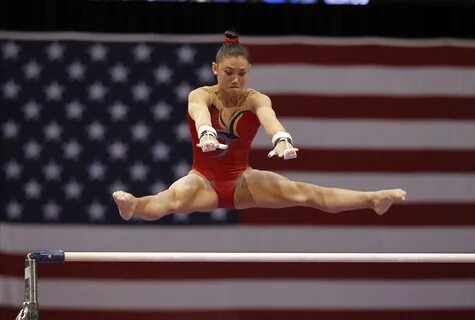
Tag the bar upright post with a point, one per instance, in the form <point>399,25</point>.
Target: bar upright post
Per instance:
<point>30,305</point>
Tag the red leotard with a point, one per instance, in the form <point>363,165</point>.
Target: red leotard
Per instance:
<point>236,127</point>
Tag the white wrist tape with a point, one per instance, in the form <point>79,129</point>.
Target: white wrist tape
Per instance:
<point>281,135</point>
<point>205,129</point>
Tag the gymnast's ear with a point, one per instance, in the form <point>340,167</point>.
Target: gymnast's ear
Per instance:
<point>214,67</point>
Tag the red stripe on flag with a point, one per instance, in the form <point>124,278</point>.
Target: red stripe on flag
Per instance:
<point>369,161</point>
<point>71,314</point>
<point>354,107</point>
<point>363,55</point>
<point>445,214</point>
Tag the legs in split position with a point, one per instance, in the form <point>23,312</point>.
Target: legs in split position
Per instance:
<point>188,194</point>
<point>256,188</point>
<point>267,189</point>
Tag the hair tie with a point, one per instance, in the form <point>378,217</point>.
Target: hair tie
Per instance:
<point>231,40</point>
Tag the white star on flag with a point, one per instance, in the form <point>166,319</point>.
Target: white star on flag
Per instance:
<point>96,171</point>
<point>157,187</point>
<point>182,91</point>
<point>32,189</point>
<point>14,210</point>
<point>31,110</point>
<point>52,171</point>
<point>72,149</point>
<point>119,73</point>
<point>142,52</point>
<point>96,211</point>
<point>162,111</point>
<point>55,51</point>
<point>10,50</point>
<point>118,150</point>
<point>181,169</point>
<point>182,132</point>
<point>163,74</point>
<point>118,111</point>
<point>76,71</point>
<point>140,92</point>
<point>117,185</point>
<point>13,170</point>
<point>10,90</point>
<point>73,190</point>
<point>98,52</point>
<point>219,214</point>
<point>97,91</point>
<point>160,151</point>
<point>54,91</point>
<point>138,171</point>
<point>32,149</point>
<point>32,70</point>
<point>205,74</point>
<point>181,217</point>
<point>96,131</point>
<point>51,211</point>
<point>74,110</point>
<point>10,129</point>
<point>186,54</point>
<point>53,131</point>
<point>140,131</point>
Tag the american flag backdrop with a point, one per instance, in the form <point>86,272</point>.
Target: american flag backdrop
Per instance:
<point>84,114</point>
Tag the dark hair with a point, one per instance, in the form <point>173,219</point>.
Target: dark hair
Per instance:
<point>231,47</point>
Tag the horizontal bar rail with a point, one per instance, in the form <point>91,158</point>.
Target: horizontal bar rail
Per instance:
<point>62,256</point>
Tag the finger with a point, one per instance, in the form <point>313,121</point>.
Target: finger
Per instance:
<point>222,146</point>
<point>205,147</point>
<point>290,155</point>
<point>271,154</point>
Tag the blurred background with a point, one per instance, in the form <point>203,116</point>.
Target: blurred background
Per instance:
<point>377,94</point>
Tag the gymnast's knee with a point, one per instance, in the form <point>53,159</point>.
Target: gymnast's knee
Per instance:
<point>180,197</point>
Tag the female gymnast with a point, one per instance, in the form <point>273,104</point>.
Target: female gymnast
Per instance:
<point>223,120</point>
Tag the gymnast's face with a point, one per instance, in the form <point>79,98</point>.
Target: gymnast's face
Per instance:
<point>232,73</point>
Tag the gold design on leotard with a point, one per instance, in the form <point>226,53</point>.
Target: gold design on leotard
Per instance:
<point>229,115</point>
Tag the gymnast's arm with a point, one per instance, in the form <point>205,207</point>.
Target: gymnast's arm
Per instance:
<point>281,140</point>
<point>198,102</point>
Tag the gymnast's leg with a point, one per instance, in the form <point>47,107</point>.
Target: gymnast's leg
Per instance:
<point>190,193</point>
<point>258,188</point>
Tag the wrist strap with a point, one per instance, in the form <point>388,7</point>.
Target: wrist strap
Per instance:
<point>205,129</point>
<point>279,136</point>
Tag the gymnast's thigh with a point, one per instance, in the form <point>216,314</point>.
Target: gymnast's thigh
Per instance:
<point>194,193</point>
<point>260,188</point>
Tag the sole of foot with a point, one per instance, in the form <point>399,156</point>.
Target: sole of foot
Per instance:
<point>385,198</point>
<point>125,203</point>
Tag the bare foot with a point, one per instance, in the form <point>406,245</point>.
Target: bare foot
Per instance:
<point>383,199</point>
<point>126,204</point>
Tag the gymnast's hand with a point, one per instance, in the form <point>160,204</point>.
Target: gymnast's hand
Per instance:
<point>209,143</point>
<point>285,150</point>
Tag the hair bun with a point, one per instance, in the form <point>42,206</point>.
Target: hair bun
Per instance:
<point>231,37</point>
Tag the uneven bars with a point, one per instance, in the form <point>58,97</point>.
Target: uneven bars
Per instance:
<point>62,256</point>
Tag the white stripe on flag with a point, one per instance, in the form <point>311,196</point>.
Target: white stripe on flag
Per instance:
<point>21,239</point>
<point>246,40</point>
<point>421,188</point>
<point>375,134</point>
<point>363,80</point>
<point>246,294</point>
